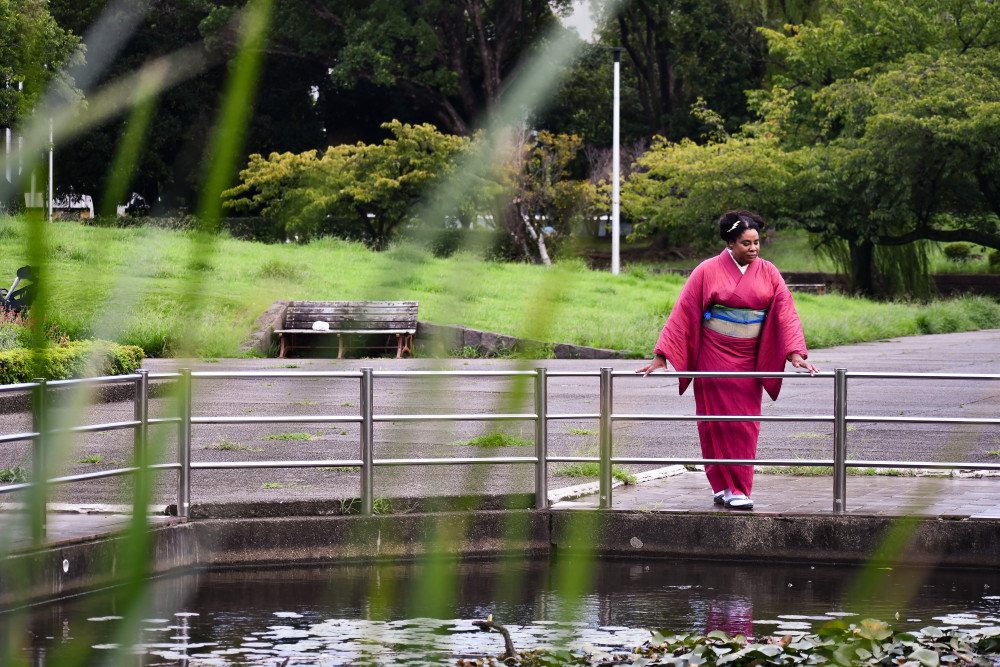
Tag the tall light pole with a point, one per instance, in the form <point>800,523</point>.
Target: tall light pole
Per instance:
<point>615,169</point>
<point>51,149</point>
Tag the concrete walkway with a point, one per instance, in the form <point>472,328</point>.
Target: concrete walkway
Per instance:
<point>965,497</point>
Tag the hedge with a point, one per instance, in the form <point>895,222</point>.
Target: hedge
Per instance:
<point>69,360</point>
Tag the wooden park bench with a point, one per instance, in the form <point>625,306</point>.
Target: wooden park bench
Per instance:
<point>359,321</point>
<point>815,288</point>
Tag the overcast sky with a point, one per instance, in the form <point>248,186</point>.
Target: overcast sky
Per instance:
<point>581,20</point>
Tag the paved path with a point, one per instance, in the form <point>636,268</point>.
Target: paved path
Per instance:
<point>688,492</point>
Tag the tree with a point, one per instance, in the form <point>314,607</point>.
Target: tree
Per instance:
<point>879,159</point>
<point>444,61</point>
<point>35,53</point>
<point>914,157</point>
<point>169,169</point>
<point>679,50</point>
<point>863,34</point>
<point>542,198</point>
<point>676,186</point>
<point>362,191</point>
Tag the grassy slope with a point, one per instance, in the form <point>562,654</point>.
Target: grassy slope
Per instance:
<point>126,285</point>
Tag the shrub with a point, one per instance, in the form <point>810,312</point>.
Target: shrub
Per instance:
<point>68,360</point>
<point>994,259</point>
<point>14,331</point>
<point>245,228</point>
<point>958,252</point>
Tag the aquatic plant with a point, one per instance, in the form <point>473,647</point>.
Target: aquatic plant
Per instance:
<point>869,642</point>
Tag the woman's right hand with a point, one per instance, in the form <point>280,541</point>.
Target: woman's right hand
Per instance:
<point>659,363</point>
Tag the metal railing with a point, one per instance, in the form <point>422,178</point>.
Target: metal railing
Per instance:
<point>367,418</point>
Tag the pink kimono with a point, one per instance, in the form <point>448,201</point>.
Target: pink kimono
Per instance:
<point>689,346</point>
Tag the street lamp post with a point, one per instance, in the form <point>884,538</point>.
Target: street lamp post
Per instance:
<point>51,149</point>
<point>615,169</point>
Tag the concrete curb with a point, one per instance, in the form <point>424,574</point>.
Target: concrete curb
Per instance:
<point>573,492</point>
<point>86,563</point>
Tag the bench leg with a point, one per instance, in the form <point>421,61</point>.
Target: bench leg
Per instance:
<point>404,344</point>
<point>340,346</point>
<point>281,338</point>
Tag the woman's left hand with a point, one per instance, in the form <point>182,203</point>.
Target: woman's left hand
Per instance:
<point>799,362</point>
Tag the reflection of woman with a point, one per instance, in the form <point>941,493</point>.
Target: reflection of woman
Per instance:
<point>734,314</point>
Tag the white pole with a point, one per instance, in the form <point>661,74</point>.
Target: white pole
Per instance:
<point>51,147</point>
<point>615,173</point>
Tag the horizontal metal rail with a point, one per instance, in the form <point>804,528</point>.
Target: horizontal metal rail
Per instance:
<point>442,461</point>
<point>269,374</point>
<point>14,437</point>
<point>582,415</point>
<point>224,465</point>
<point>97,474</point>
<point>470,373</point>
<point>368,418</point>
<point>104,379</point>
<point>723,418</point>
<point>20,386</point>
<point>471,417</point>
<point>297,419</point>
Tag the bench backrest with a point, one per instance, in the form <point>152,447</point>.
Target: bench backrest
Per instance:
<point>353,315</point>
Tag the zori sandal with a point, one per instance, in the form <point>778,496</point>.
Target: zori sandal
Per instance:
<point>740,502</point>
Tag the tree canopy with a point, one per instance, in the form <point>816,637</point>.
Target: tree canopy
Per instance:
<point>34,52</point>
<point>362,191</point>
<point>873,154</point>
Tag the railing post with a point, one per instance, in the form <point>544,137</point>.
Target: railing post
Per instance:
<point>184,447</point>
<point>367,444</point>
<point>604,471</point>
<point>39,463</point>
<point>840,440</point>
<point>541,439</point>
<point>140,445</point>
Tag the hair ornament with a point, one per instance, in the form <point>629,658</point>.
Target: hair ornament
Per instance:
<point>735,225</point>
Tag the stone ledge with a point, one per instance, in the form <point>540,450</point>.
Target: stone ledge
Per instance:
<point>452,339</point>
<point>72,567</point>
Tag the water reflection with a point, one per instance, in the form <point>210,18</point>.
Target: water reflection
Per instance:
<point>343,614</point>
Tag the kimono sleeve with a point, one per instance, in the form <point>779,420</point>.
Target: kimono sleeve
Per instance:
<point>780,336</point>
<point>681,335</point>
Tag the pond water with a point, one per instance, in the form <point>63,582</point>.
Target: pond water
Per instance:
<point>421,614</point>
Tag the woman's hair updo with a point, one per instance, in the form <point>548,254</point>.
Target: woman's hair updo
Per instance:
<point>734,223</point>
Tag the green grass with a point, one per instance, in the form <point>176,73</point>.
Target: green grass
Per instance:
<point>592,470</point>
<point>90,458</point>
<point>126,285</point>
<point>225,444</point>
<point>827,471</point>
<point>498,440</point>
<point>581,431</point>
<point>14,474</point>
<point>288,436</point>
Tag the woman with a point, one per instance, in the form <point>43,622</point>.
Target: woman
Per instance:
<point>733,314</point>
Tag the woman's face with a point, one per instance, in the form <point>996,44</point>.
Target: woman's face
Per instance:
<point>746,247</point>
